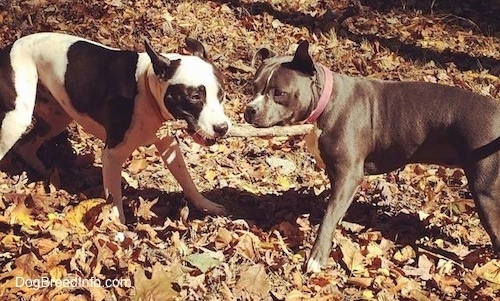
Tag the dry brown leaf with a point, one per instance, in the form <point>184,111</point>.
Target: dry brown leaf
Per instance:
<point>246,245</point>
<point>254,280</point>
<point>235,171</point>
<point>46,245</point>
<point>363,282</point>
<point>423,270</point>
<point>137,165</point>
<point>354,260</point>
<point>223,239</point>
<point>144,211</point>
<point>158,287</point>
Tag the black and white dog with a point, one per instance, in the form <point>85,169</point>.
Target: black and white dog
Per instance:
<point>369,126</point>
<point>120,96</point>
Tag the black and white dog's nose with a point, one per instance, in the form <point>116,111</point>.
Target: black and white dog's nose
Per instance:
<point>221,128</point>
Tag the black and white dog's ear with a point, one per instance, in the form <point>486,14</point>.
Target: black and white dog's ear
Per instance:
<point>196,47</point>
<point>162,66</point>
<point>302,61</point>
<point>262,54</point>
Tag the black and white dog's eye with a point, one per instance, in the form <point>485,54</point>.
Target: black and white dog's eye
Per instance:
<point>195,97</point>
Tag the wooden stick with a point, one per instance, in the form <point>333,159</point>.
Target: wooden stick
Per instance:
<point>274,131</point>
<point>241,130</point>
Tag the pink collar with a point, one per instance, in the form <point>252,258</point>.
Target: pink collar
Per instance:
<point>324,98</point>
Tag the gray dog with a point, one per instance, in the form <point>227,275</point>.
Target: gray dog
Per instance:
<point>369,126</point>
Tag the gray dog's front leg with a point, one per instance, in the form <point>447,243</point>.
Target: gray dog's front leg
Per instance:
<point>344,182</point>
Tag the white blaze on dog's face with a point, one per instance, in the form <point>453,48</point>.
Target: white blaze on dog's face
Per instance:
<point>194,92</point>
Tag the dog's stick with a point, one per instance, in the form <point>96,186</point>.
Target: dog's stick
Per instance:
<point>240,130</point>
<point>275,131</point>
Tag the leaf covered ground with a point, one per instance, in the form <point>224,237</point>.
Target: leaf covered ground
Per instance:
<point>412,234</point>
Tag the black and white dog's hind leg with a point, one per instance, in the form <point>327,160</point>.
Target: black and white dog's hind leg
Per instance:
<point>50,121</point>
<point>17,97</point>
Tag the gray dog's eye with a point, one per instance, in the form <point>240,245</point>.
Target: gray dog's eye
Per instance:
<point>278,93</point>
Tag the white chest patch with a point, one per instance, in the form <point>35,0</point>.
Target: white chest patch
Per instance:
<point>312,145</point>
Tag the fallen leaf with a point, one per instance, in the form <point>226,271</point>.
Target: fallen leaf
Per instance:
<point>254,280</point>
<point>423,269</point>
<point>20,214</point>
<point>246,245</point>
<point>223,239</point>
<point>490,271</point>
<point>354,260</point>
<point>202,261</point>
<point>76,214</point>
<point>137,165</point>
<point>158,287</point>
<point>144,211</point>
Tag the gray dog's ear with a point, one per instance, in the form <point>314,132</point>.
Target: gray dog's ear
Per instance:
<point>262,54</point>
<point>302,61</point>
<point>162,66</point>
<point>196,47</point>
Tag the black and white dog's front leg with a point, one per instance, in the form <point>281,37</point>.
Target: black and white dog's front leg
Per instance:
<point>173,158</point>
<point>344,178</point>
<point>112,162</point>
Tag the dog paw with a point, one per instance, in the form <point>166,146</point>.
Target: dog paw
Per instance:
<point>316,260</point>
<point>211,208</point>
<point>312,266</point>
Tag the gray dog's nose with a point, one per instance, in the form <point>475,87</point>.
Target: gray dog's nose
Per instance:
<point>250,112</point>
<point>221,128</point>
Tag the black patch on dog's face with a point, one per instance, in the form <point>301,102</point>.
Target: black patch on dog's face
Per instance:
<point>7,91</point>
<point>186,103</point>
<point>101,83</point>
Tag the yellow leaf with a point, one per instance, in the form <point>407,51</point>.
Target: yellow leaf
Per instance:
<point>75,215</point>
<point>137,166</point>
<point>46,245</point>
<point>368,294</point>
<point>21,215</point>
<point>10,242</point>
<point>210,175</point>
<point>354,260</point>
<point>249,188</point>
<point>284,182</point>
<point>489,271</point>
<point>130,181</point>
<point>405,254</point>
<point>57,273</point>
<point>144,211</point>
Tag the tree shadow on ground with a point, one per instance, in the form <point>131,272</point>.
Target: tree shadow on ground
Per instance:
<point>334,19</point>
<point>475,15</point>
<point>263,211</point>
